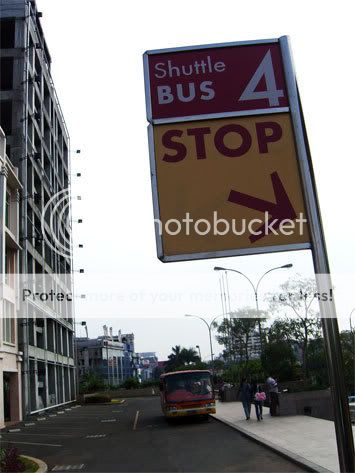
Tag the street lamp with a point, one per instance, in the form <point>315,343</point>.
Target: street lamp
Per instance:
<point>255,287</point>
<point>199,351</point>
<point>209,327</point>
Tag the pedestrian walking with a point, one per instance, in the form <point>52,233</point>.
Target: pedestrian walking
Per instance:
<point>245,396</point>
<point>273,394</point>
<point>259,399</point>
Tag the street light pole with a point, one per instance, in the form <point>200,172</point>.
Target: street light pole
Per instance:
<point>209,327</point>
<point>199,351</point>
<point>255,288</point>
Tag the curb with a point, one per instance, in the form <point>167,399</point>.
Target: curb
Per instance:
<point>297,459</point>
<point>42,467</point>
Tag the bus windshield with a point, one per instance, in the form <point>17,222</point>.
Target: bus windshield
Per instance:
<point>188,386</point>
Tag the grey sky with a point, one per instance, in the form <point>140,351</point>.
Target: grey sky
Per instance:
<point>97,68</point>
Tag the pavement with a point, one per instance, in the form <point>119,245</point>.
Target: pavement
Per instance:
<point>135,437</point>
<point>307,440</point>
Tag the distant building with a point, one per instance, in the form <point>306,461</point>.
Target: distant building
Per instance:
<point>111,357</point>
<point>10,356</point>
<point>148,362</point>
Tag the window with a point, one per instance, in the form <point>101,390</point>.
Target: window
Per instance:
<point>8,323</point>
<point>6,78</point>
<point>7,34</point>
<point>7,209</point>
<point>6,116</point>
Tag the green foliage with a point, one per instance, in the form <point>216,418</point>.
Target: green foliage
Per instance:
<point>91,382</point>
<point>131,383</point>
<point>235,333</point>
<point>194,366</point>
<point>347,340</point>
<point>253,370</point>
<point>278,358</point>
<point>29,465</point>
<point>300,323</point>
<point>181,357</point>
<point>10,461</point>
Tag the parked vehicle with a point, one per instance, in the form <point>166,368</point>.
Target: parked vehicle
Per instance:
<point>187,393</point>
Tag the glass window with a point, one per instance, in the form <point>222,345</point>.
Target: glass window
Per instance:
<point>8,323</point>
<point>188,387</point>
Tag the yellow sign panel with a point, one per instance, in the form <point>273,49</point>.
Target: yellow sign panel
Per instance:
<point>227,186</point>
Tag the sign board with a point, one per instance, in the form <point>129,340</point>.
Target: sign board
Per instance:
<point>227,184</point>
<point>215,81</point>
<point>223,152</point>
<point>227,135</point>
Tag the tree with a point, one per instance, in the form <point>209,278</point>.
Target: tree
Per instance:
<point>181,357</point>
<point>279,358</point>
<point>300,321</point>
<point>347,341</point>
<point>235,333</point>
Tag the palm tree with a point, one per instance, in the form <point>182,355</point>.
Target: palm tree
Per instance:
<point>181,357</point>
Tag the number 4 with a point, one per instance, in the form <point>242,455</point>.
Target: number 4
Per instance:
<point>271,93</point>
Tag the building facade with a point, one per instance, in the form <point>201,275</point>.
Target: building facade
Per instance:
<point>10,356</point>
<point>111,357</point>
<point>38,145</point>
<point>148,364</point>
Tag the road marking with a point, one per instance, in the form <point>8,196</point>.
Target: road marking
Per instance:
<point>52,415</point>
<point>135,420</point>
<point>30,423</point>
<point>42,418</point>
<point>117,411</point>
<point>108,420</point>
<point>61,412</point>
<point>69,409</point>
<point>14,430</point>
<point>32,443</point>
<point>95,436</point>
<point>68,467</point>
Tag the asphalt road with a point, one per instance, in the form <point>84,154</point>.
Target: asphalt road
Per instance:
<point>134,437</point>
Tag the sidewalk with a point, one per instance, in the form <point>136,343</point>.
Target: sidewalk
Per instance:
<point>305,439</point>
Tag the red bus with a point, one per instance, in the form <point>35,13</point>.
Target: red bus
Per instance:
<point>187,393</point>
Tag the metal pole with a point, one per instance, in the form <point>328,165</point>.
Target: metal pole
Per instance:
<point>212,361</point>
<point>342,422</point>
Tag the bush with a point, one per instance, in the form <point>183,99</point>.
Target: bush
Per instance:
<point>131,383</point>
<point>149,383</point>
<point>10,461</point>
<point>91,382</point>
<point>98,399</point>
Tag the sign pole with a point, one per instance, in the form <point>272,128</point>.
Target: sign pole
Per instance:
<point>343,428</point>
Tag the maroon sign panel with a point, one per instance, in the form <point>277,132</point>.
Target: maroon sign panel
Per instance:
<point>216,80</point>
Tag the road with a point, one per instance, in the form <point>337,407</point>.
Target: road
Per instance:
<point>135,437</point>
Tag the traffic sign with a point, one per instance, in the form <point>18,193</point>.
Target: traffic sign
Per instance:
<point>235,180</point>
<point>214,81</point>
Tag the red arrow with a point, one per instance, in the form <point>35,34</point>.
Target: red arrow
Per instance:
<point>282,209</point>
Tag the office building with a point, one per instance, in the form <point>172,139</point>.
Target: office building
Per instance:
<point>112,357</point>
<point>10,356</point>
<point>38,145</point>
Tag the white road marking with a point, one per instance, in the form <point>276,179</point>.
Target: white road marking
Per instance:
<point>68,467</point>
<point>30,423</point>
<point>108,420</point>
<point>42,418</point>
<point>95,436</point>
<point>32,443</point>
<point>135,420</point>
<point>52,415</point>
<point>14,430</point>
<point>61,412</point>
<point>116,411</point>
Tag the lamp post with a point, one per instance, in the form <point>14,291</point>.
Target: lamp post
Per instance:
<point>199,351</point>
<point>209,327</point>
<point>255,287</point>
